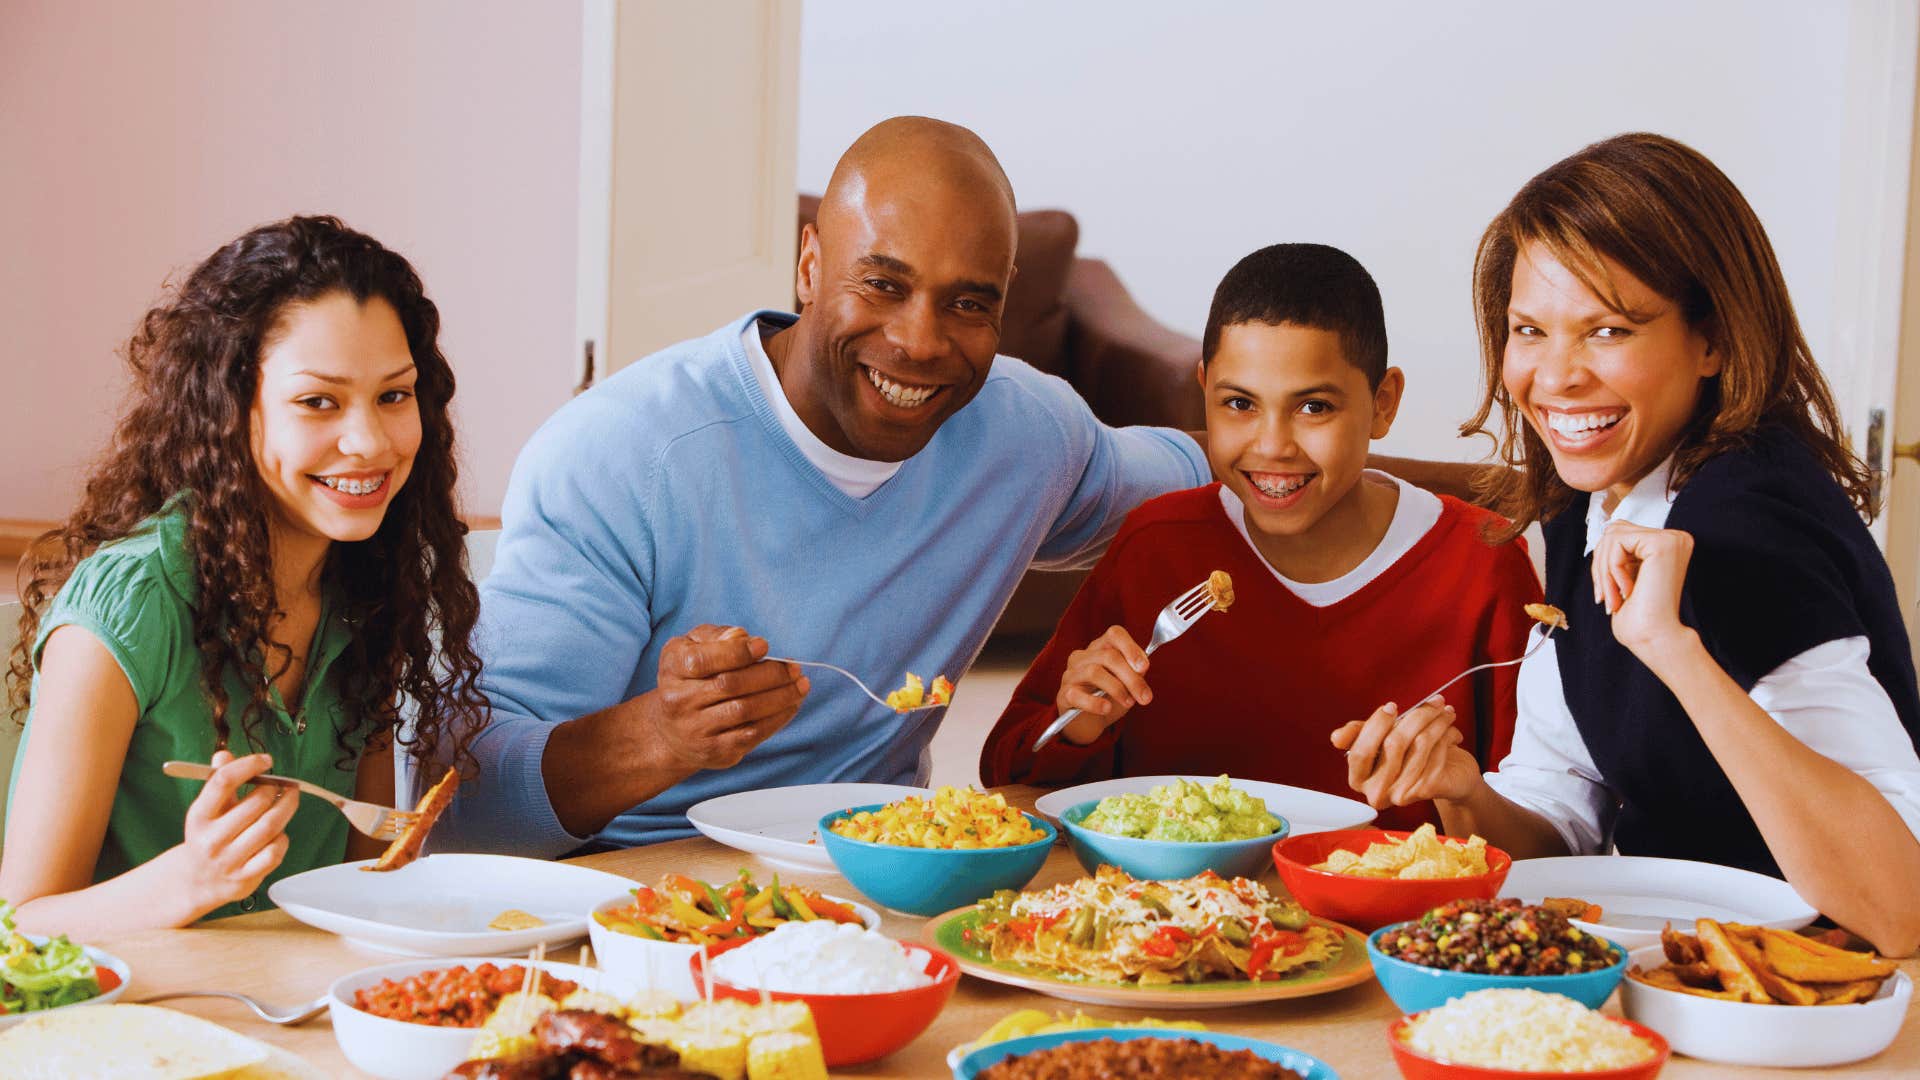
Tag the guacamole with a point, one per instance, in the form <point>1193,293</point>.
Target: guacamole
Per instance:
<point>1185,811</point>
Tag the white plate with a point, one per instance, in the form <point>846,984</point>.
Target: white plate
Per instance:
<point>1638,895</point>
<point>1740,1033</point>
<point>440,905</point>
<point>397,1050</point>
<point>778,824</point>
<point>101,959</point>
<point>1306,810</point>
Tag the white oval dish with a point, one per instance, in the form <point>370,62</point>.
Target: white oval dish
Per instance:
<point>779,824</point>
<point>1306,810</point>
<point>440,905</point>
<point>1638,895</point>
<point>397,1050</point>
<point>1738,1033</point>
<point>663,965</point>
<point>101,959</point>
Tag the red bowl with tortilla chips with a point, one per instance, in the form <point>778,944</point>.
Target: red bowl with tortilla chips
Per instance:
<point>1370,903</point>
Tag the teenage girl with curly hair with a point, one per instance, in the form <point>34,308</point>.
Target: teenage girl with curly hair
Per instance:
<point>267,560</point>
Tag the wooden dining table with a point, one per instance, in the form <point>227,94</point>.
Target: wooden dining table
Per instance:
<point>273,957</point>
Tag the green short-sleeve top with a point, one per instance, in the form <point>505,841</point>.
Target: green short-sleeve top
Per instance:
<point>136,596</point>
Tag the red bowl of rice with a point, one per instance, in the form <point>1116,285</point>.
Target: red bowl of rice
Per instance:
<point>861,1026</point>
<point>1417,1064</point>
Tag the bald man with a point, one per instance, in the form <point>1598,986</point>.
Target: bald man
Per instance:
<point>864,484</point>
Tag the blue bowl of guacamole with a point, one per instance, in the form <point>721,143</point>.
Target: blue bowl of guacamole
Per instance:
<point>1176,831</point>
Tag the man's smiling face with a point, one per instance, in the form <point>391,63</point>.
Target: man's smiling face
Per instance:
<point>902,284</point>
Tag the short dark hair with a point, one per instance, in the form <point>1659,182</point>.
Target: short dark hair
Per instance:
<point>1309,285</point>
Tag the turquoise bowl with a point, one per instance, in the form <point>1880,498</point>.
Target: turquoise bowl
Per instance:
<point>1165,860</point>
<point>1415,988</point>
<point>1308,1066</point>
<point>928,881</point>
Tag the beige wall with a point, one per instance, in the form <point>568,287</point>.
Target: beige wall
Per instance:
<point>137,137</point>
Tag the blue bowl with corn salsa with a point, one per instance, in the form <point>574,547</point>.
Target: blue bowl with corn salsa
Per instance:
<point>1471,945</point>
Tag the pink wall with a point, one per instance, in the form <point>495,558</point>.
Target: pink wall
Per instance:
<point>137,137</point>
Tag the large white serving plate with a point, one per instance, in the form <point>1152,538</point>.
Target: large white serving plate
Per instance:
<point>1639,895</point>
<point>778,824</point>
<point>440,905</point>
<point>1306,810</point>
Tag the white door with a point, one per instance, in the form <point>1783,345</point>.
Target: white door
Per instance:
<point>687,164</point>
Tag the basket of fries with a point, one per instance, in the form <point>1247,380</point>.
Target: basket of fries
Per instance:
<point>1751,995</point>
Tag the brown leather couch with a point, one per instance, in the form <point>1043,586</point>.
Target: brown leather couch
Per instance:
<point>1072,317</point>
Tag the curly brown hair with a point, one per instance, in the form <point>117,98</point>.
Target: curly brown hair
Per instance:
<point>1667,215</point>
<point>195,362</point>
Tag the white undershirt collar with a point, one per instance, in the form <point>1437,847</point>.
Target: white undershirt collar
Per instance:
<point>858,477</point>
<point>1417,511</point>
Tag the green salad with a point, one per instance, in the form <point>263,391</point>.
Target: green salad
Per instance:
<point>37,977</point>
<point>1184,811</point>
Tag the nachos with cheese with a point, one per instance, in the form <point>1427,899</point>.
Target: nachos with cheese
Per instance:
<point>1113,928</point>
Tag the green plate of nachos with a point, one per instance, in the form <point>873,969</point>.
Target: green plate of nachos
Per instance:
<point>1112,940</point>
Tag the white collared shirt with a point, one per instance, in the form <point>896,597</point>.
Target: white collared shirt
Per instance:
<point>1825,697</point>
<point>1416,512</point>
<point>857,476</point>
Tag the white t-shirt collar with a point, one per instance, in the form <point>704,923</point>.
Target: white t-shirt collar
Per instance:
<point>858,477</point>
<point>1417,511</point>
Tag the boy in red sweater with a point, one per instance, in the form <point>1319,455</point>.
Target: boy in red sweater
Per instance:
<point>1351,586</point>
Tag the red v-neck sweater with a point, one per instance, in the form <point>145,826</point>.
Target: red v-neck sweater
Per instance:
<point>1255,691</point>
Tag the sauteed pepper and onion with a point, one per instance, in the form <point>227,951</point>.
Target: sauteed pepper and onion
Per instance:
<point>689,911</point>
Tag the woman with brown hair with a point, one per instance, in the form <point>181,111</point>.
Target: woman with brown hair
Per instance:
<point>266,560</point>
<point>1736,684</point>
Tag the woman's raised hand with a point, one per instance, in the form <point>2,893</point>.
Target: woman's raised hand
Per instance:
<point>1637,575</point>
<point>1396,758</point>
<point>233,842</point>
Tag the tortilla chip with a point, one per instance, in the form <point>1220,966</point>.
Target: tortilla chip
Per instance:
<point>515,919</point>
<point>1736,975</point>
<point>123,1041</point>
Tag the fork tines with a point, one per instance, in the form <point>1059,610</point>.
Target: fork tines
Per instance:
<point>394,824</point>
<point>1192,602</point>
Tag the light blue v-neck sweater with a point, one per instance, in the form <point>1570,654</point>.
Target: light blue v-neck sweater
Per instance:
<point>669,496</point>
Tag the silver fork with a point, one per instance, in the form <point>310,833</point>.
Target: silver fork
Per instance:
<point>1534,648</point>
<point>379,822</point>
<point>856,681</point>
<point>1175,619</point>
<point>272,1014</point>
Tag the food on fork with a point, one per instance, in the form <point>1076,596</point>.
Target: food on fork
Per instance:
<point>1114,928</point>
<point>1184,811</point>
<point>1763,966</point>
<point>913,693</point>
<point>1548,614</point>
<point>406,848</point>
<point>1220,588</point>
<point>952,818</point>
<point>1420,857</point>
